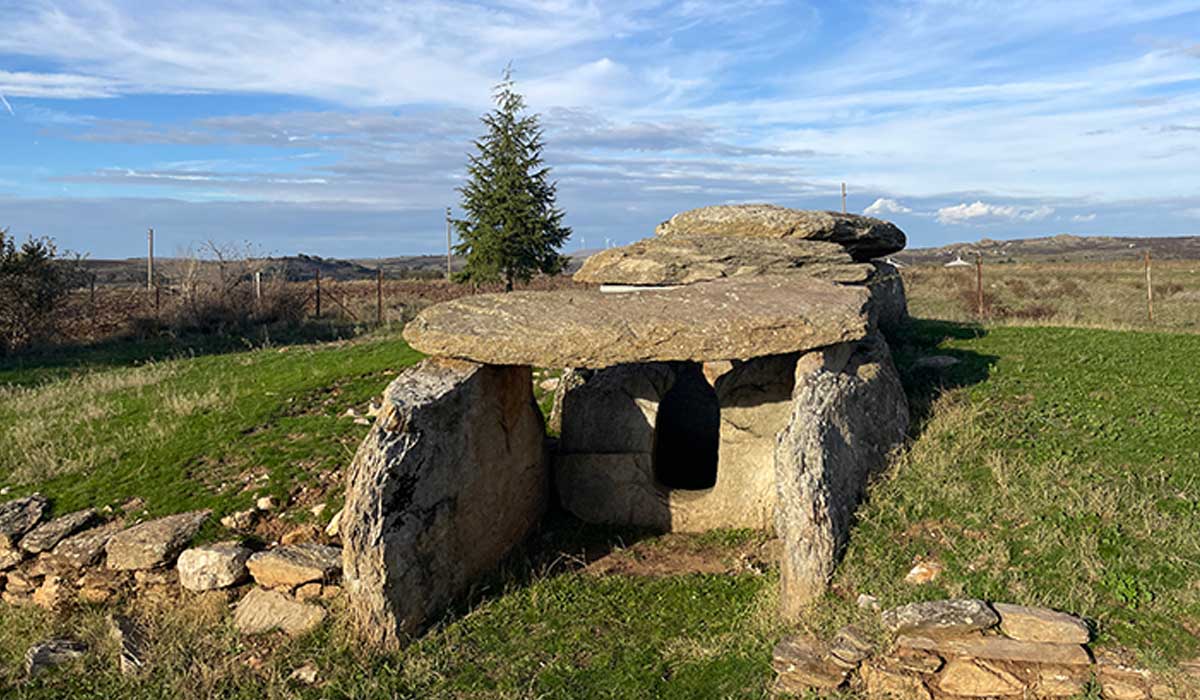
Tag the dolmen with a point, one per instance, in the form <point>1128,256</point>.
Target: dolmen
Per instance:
<point>730,372</point>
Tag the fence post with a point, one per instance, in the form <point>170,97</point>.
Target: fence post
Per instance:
<point>1149,290</point>
<point>258,287</point>
<point>92,301</point>
<point>318,278</point>
<point>379,297</point>
<point>979,283</point>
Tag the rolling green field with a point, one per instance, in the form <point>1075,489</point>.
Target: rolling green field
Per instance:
<point>1052,466</point>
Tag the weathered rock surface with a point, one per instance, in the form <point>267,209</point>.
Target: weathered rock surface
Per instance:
<point>940,618</point>
<point>851,645</point>
<point>50,653</point>
<point>1041,625</point>
<point>887,306</point>
<point>739,318</point>
<point>10,558</point>
<point>262,611</point>
<point>864,237</point>
<point>213,566</point>
<point>997,648</point>
<point>450,478</point>
<point>154,543</point>
<point>18,516</point>
<point>848,413</point>
<point>130,641</point>
<point>85,548</point>
<point>971,679</point>
<point>294,565</point>
<point>616,467</point>
<point>690,259</point>
<point>802,664</point>
<point>47,535</point>
<point>883,681</point>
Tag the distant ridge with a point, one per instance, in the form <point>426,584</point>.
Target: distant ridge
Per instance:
<point>1061,248</point>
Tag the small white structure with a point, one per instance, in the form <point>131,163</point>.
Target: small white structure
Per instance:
<point>957,262</point>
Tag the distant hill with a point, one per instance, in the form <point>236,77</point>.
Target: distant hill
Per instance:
<point>1061,248</point>
<point>132,271</point>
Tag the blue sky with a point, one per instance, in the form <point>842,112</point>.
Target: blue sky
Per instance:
<point>341,128</point>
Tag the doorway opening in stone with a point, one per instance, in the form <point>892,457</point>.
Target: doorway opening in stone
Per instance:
<point>687,432</point>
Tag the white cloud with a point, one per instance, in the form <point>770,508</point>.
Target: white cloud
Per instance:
<point>1084,218</point>
<point>980,212</point>
<point>883,205</point>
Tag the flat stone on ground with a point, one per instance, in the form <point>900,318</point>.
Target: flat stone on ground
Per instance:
<point>864,237</point>
<point>1041,625</point>
<point>18,516</point>
<point>969,679</point>
<point>294,565</point>
<point>86,548</point>
<point>212,566</point>
<point>802,664</point>
<point>730,319</point>
<point>940,618</point>
<point>262,611</point>
<point>1000,649</point>
<point>154,543</point>
<point>690,259</point>
<point>47,535</point>
<point>52,652</point>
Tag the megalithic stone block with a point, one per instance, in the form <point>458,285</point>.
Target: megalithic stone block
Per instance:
<point>451,477</point>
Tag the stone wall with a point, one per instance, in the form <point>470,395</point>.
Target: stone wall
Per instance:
<point>449,479</point>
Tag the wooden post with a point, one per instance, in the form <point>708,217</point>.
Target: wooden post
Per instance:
<point>448,272</point>
<point>92,301</point>
<point>318,296</point>
<point>843,198</point>
<point>1149,290</point>
<point>979,282</point>
<point>150,260</point>
<point>258,287</point>
<point>379,297</point>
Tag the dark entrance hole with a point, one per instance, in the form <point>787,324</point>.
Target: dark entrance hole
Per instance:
<point>687,434</point>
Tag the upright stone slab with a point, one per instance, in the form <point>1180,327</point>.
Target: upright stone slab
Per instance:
<point>848,412</point>
<point>449,479</point>
<point>887,306</point>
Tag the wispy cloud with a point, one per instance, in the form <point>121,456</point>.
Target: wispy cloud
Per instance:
<point>980,212</point>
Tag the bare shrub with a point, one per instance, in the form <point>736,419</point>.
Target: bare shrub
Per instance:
<point>222,290</point>
<point>34,284</point>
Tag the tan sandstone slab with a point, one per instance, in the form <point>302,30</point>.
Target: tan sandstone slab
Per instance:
<point>1001,649</point>
<point>863,236</point>
<point>690,259</point>
<point>730,319</point>
<point>1041,625</point>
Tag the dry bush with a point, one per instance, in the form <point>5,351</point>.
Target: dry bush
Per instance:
<point>34,284</point>
<point>217,293</point>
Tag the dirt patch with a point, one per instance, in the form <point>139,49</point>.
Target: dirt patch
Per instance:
<point>675,554</point>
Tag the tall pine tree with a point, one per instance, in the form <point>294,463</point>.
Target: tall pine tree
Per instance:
<point>512,228</point>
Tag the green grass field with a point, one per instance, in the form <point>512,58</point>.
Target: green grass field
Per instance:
<point>1051,466</point>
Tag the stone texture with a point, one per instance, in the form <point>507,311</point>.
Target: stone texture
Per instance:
<point>153,543</point>
<point>606,470</point>
<point>971,679</point>
<point>294,565</point>
<point>940,618</point>
<point>450,478</point>
<point>864,237</point>
<point>571,379</point>
<point>802,664</point>
<point>85,548</point>
<point>887,305</point>
<point>1041,625</point>
<point>212,566</point>
<point>689,259</point>
<point>18,516</point>
<point>50,653</point>
<point>1060,682</point>
<point>51,594</point>
<point>10,558</point>
<point>851,644</point>
<point>882,681</point>
<point>848,413</point>
<point>998,648</point>
<point>131,642</point>
<point>262,611</point>
<point>730,319</point>
<point>47,535</point>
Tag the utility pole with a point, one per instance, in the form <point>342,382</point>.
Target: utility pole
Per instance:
<point>843,198</point>
<point>448,271</point>
<point>150,260</point>
<point>979,282</point>
<point>1149,290</point>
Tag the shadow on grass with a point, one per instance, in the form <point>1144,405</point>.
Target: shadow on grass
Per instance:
<point>39,365</point>
<point>923,338</point>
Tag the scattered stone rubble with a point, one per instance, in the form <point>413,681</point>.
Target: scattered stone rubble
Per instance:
<point>963,648</point>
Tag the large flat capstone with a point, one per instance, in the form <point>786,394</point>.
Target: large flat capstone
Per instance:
<point>732,319</point>
<point>863,236</point>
